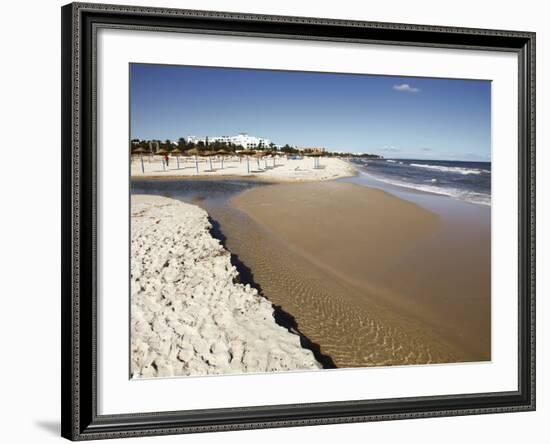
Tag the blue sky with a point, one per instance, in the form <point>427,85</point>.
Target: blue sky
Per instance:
<point>400,117</point>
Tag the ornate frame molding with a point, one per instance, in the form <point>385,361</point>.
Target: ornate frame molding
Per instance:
<point>80,22</point>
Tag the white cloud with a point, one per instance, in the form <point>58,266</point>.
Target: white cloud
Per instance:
<point>405,87</point>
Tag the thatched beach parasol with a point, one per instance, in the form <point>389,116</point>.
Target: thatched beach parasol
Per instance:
<point>162,152</point>
<point>194,152</point>
<point>209,154</point>
<point>315,159</point>
<point>258,156</point>
<point>140,151</point>
<point>276,155</point>
<point>222,154</point>
<point>267,154</point>
<point>177,152</point>
<point>247,153</point>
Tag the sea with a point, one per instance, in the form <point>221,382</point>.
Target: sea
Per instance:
<point>467,181</point>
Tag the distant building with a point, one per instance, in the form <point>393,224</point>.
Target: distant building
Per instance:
<point>243,139</point>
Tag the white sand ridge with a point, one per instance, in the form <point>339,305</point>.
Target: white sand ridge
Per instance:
<point>189,316</point>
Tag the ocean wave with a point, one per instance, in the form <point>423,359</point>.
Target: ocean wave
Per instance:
<point>467,196</point>
<point>447,169</point>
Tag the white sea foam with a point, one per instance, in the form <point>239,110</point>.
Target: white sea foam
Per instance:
<point>390,161</point>
<point>467,196</point>
<point>447,169</point>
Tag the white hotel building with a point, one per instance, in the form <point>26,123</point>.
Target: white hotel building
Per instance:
<point>243,139</point>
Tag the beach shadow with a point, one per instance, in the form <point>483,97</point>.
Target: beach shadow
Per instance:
<point>282,318</point>
<point>288,321</point>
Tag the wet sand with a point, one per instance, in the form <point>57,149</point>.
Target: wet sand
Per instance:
<point>371,278</point>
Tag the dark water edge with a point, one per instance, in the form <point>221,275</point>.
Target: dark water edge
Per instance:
<point>203,192</point>
<point>458,180</point>
<point>213,196</point>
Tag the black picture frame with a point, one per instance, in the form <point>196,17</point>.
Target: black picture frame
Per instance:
<point>80,22</point>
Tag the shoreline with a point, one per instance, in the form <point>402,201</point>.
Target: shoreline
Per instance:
<point>403,189</point>
<point>189,313</point>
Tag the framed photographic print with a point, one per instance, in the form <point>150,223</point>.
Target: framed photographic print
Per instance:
<point>280,221</point>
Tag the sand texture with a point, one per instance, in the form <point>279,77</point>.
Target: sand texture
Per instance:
<point>337,253</point>
<point>189,315</point>
<point>275,170</point>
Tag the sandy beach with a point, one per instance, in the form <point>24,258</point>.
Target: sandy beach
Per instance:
<point>189,313</point>
<point>271,169</point>
<point>369,276</point>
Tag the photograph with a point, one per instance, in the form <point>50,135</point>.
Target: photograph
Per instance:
<point>306,221</point>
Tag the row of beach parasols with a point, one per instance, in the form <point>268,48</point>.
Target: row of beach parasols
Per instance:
<point>195,154</point>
